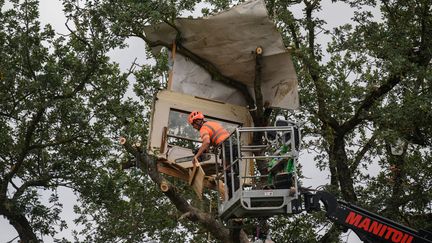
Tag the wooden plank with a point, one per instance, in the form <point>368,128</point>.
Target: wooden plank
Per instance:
<point>171,72</point>
<point>184,174</point>
<point>163,140</point>
<point>192,174</point>
<point>173,172</point>
<point>172,165</point>
<point>198,182</point>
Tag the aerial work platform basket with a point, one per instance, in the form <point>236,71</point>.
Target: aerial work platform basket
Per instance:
<point>249,192</point>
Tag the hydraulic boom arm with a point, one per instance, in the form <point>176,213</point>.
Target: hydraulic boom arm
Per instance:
<point>369,226</point>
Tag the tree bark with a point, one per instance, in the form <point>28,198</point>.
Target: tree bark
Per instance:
<point>344,174</point>
<point>397,168</point>
<point>258,113</point>
<point>19,222</point>
<point>333,171</point>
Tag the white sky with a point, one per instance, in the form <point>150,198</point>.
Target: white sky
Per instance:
<point>51,12</point>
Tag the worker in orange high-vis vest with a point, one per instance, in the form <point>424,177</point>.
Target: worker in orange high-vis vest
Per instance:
<point>211,132</point>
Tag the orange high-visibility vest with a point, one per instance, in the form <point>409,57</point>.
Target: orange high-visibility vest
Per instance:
<point>214,131</point>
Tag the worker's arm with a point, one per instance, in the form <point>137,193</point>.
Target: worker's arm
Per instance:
<point>204,147</point>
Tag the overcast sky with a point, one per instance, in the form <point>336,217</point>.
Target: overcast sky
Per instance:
<point>51,12</point>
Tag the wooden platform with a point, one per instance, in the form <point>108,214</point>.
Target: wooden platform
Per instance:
<point>198,177</point>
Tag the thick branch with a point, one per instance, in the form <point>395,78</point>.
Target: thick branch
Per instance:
<point>83,40</point>
<point>89,72</point>
<point>310,25</point>
<point>51,144</point>
<point>216,228</point>
<point>344,175</point>
<point>92,64</point>
<point>25,148</point>
<point>19,222</point>
<point>259,103</point>
<point>359,156</point>
<point>369,101</point>
<point>293,30</point>
<point>39,182</point>
<point>314,69</point>
<point>290,22</point>
<point>260,120</point>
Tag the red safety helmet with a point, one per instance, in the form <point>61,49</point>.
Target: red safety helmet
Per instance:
<point>195,115</point>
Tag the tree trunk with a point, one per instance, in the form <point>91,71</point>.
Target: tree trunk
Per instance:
<point>344,174</point>
<point>333,171</point>
<point>397,168</point>
<point>19,222</point>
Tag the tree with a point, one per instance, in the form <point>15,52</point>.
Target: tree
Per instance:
<point>344,100</point>
<point>64,106</point>
<point>376,75</point>
<point>407,125</point>
<point>56,119</point>
<point>127,19</point>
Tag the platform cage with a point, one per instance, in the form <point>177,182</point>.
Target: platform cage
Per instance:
<point>247,191</point>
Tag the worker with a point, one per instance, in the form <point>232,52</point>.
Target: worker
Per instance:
<point>211,132</point>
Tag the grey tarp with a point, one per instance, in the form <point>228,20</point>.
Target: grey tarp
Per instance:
<point>228,40</point>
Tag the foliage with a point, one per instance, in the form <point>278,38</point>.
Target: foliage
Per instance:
<point>362,92</point>
<point>299,228</point>
<point>64,104</point>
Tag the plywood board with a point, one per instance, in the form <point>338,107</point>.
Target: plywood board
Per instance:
<point>173,172</point>
<point>196,180</point>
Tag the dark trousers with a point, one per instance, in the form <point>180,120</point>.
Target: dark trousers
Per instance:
<point>235,169</point>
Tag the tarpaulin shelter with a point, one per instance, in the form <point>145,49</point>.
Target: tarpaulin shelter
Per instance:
<point>228,40</point>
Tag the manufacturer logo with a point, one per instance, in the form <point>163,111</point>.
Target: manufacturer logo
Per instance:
<point>378,229</point>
